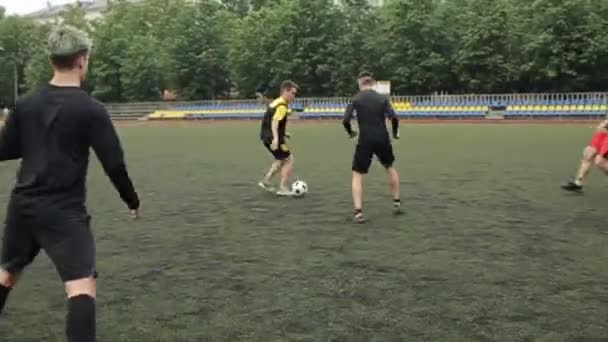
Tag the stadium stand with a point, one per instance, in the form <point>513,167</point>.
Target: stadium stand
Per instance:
<point>510,106</point>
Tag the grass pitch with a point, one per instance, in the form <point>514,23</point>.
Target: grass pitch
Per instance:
<point>489,248</point>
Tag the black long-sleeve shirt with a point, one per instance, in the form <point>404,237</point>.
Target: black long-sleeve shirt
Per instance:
<point>372,109</point>
<point>52,131</point>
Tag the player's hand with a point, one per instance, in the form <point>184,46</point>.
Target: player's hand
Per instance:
<point>287,135</point>
<point>274,145</point>
<point>353,134</point>
<point>134,214</point>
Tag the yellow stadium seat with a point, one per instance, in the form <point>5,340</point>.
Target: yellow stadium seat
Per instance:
<point>551,108</point>
<point>559,108</point>
<point>595,108</point>
<point>588,108</point>
<point>604,107</point>
<point>580,108</point>
<point>544,108</point>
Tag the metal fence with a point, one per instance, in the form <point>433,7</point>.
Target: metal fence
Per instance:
<point>132,110</point>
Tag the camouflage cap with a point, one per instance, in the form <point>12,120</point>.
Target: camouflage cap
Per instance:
<point>67,40</point>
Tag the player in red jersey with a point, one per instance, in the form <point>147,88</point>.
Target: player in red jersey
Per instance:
<point>595,153</point>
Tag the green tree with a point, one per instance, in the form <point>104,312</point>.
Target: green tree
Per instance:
<point>286,42</point>
<point>355,50</point>
<point>411,42</point>
<point>16,49</point>
<point>480,45</point>
<point>555,45</point>
<point>140,75</point>
<point>199,53</point>
<point>38,71</point>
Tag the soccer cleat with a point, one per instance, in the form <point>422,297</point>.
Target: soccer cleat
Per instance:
<point>284,192</point>
<point>397,208</point>
<point>266,187</point>
<point>573,187</point>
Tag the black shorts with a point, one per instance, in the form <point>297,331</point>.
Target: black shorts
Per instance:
<point>64,235</point>
<point>281,153</point>
<point>365,151</point>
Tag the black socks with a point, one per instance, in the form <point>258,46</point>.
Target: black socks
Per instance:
<point>80,325</point>
<point>4,291</point>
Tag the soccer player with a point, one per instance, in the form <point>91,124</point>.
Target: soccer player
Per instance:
<point>274,136</point>
<point>596,152</point>
<point>372,109</point>
<point>51,131</point>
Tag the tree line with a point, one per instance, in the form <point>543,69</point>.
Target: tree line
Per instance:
<point>226,49</point>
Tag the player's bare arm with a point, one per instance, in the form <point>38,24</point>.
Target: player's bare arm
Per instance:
<point>275,134</point>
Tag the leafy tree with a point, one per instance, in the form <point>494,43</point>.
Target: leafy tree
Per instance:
<point>199,52</point>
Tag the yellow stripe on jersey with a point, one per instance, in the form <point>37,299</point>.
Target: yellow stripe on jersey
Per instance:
<point>280,113</point>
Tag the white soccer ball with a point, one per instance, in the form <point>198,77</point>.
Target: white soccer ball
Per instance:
<point>299,188</point>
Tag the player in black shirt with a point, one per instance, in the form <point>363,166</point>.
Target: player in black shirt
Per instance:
<point>51,131</point>
<point>371,109</point>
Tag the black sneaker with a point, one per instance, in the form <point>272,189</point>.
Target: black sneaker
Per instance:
<point>573,187</point>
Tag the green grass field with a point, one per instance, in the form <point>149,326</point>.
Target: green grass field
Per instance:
<point>489,249</point>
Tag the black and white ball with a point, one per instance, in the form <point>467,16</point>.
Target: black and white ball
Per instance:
<point>299,188</point>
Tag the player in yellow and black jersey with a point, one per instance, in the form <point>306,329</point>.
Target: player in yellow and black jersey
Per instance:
<point>274,136</point>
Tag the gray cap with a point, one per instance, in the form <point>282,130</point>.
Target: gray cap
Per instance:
<point>66,40</point>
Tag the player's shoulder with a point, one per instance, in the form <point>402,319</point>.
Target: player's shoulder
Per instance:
<point>368,94</point>
<point>278,102</point>
<point>97,105</point>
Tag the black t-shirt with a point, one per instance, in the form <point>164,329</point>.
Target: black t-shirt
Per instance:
<point>51,131</point>
<point>372,110</point>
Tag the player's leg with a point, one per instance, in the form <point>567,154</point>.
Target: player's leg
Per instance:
<point>69,243</point>
<point>284,154</point>
<point>589,154</point>
<point>286,172</point>
<point>395,191</point>
<point>357,193</point>
<point>601,159</point>
<point>275,167</point>
<point>386,156</point>
<point>601,162</point>
<point>18,250</point>
<point>361,163</point>
<point>586,163</point>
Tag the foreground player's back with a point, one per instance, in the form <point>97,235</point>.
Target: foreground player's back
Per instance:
<point>57,126</point>
<point>371,108</point>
